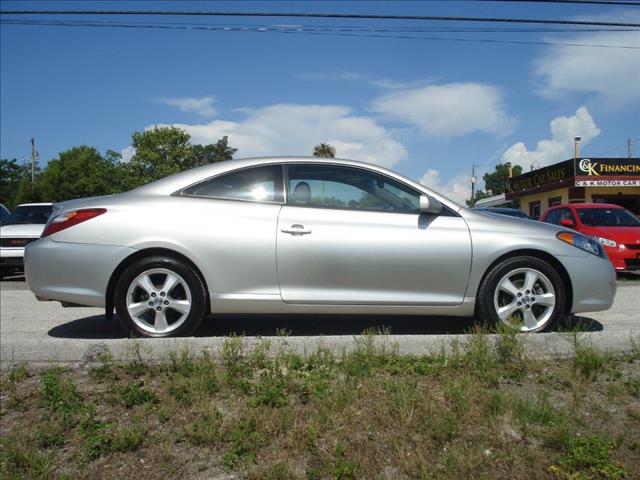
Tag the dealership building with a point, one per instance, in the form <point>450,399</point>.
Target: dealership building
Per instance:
<point>598,180</point>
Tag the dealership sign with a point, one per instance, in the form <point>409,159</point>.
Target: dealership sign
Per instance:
<point>607,167</point>
<point>607,172</point>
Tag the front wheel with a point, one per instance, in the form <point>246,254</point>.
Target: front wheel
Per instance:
<point>160,297</point>
<point>525,293</point>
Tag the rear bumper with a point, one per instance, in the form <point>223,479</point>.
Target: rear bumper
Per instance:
<point>71,272</point>
<point>593,280</point>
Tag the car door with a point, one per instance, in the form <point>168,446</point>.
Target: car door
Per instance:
<point>353,236</point>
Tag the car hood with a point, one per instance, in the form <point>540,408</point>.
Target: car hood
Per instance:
<point>629,235</point>
<point>26,230</point>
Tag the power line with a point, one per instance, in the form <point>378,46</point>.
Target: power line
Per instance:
<point>302,30</point>
<point>322,15</point>
<point>583,2</point>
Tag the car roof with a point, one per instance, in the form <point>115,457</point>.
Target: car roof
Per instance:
<point>586,205</point>
<point>177,182</point>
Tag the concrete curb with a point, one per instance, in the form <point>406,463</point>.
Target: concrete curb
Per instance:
<point>547,345</point>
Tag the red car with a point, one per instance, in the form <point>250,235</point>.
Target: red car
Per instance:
<point>613,226</point>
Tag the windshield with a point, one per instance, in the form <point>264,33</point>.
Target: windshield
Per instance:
<point>30,214</point>
<point>607,217</point>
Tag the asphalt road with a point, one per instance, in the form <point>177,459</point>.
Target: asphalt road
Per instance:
<point>40,331</point>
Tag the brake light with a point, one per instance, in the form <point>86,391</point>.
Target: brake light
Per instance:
<point>69,219</point>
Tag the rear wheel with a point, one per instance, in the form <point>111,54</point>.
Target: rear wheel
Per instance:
<point>525,293</point>
<point>160,297</point>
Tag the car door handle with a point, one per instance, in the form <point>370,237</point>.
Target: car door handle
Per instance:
<point>296,229</point>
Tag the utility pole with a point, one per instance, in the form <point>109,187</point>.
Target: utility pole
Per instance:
<point>34,159</point>
<point>474,180</point>
<point>630,143</point>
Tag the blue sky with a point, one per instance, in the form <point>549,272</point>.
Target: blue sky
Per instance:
<point>426,108</point>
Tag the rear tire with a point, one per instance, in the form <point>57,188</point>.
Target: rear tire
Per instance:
<point>160,297</point>
<point>525,293</point>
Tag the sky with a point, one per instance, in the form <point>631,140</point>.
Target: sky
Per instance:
<point>428,107</point>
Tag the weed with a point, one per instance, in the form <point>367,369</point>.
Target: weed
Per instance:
<point>20,459</point>
<point>207,429</point>
<point>50,434</point>
<point>105,370</point>
<point>58,393</point>
<point>246,440</point>
<point>271,388</point>
<point>237,369</point>
<point>134,393</point>
<point>341,468</point>
<point>496,404</point>
<point>588,361</point>
<point>590,455</point>
<point>538,411</point>
<point>18,373</point>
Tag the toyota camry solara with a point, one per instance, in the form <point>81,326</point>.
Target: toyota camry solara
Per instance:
<point>308,235</point>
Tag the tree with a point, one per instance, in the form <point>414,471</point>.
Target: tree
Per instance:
<point>76,173</point>
<point>160,152</point>
<point>324,150</point>
<point>497,181</point>
<point>11,175</point>
<point>215,152</point>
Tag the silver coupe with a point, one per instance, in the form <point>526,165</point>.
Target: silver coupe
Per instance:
<point>308,235</point>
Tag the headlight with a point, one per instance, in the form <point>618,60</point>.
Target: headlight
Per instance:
<point>582,242</point>
<point>605,241</point>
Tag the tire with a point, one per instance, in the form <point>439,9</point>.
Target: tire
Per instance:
<point>160,297</point>
<point>525,293</point>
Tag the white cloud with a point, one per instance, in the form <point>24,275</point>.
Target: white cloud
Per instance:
<point>561,144</point>
<point>294,129</point>
<point>448,110</point>
<point>202,106</point>
<point>457,188</point>
<point>611,73</point>
<point>127,153</point>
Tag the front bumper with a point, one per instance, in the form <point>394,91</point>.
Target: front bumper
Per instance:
<point>72,272</point>
<point>593,280</point>
<point>624,258</point>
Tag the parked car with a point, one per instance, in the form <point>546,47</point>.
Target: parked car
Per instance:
<point>4,214</point>
<point>24,226</point>
<point>511,212</point>
<point>308,235</point>
<point>613,226</point>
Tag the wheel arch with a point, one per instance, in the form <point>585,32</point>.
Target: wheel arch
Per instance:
<point>134,257</point>
<point>542,255</point>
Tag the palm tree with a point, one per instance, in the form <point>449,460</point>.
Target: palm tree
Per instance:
<point>324,150</point>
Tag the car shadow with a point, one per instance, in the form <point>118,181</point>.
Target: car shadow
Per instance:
<point>98,327</point>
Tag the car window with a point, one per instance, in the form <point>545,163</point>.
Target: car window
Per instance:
<point>567,214</point>
<point>607,217</point>
<point>38,214</point>
<point>553,217</point>
<point>330,186</point>
<point>257,184</point>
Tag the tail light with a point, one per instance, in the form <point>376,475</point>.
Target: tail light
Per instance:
<point>69,219</point>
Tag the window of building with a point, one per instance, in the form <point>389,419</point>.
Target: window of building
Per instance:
<point>553,201</point>
<point>534,209</point>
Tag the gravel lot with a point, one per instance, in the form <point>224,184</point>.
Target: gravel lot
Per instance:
<point>45,331</point>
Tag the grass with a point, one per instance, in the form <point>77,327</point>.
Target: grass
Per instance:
<point>482,409</point>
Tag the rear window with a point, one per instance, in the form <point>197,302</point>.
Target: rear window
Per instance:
<point>38,214</point>
<point>607,217</point>
<point>258,184</point>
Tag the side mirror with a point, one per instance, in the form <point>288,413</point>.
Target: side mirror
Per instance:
<point>567,222</point>
<point>430,205</point>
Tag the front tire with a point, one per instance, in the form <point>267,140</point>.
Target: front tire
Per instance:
<point>160,297</point>
<point>525,293</point>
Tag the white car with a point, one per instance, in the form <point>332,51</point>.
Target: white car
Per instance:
<point>24,226</point>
